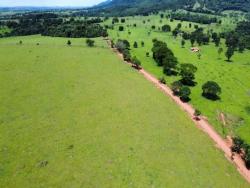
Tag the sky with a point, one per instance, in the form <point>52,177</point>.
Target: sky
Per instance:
<point>12,3</point>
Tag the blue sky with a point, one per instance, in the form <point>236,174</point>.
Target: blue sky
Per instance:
<point>11,3</point>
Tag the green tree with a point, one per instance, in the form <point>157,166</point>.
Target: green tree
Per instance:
<point>187,72</point>
<point>183,42</point>
<point>220,50</point>
<point>185,93</point>
<point>211,90</point>
<point>136,63</point>
<point>166,28</point>
<point>90,42</point>
<point>69,43</point>
<point>121,28</point>
<point>135,45</point>
<point>176,86</point>
<point>229,53</point>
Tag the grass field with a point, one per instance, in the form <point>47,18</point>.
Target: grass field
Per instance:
<point>79,117</point>
<point>232,77</point>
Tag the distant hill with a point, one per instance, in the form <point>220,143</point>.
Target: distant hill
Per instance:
<point>131,7</point>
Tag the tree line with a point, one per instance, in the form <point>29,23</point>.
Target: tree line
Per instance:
<point>51,25</point>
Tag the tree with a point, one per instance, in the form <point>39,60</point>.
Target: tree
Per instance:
<point>166,28</point>
<point>123,20</point>
<point>229,53</point>
<point>162,80</point>
<point>237,144</point>
<point>121,28</point>
<point>136,63</point>
<point>142,43</point>
<point>69,43</point>
<point>184,93</point>
<point>169,64</point>
<point>197,114</point>
<point>175,87</point>
<point>199,55</point>
<point>192,41</point>
<point>90,42</point>
<point>217,41</point>
<point>135,45</point>
<point>183,42</point>
<point>211,90</point>
<point>220,50</point>
<point>187,72</point>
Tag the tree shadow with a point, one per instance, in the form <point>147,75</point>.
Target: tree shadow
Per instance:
<point>188,83</point>
<point>211,97</point>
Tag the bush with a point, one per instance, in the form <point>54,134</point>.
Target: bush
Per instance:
<point>187,72</point>
<point>135,45</point>
<point>90,42</point>
<point>211,90</point>
<point>121,28</point>
<point>197,113</point>
<point>162,80</point>
<point>69,43</point>
<point>176,86</point>
<point>166,28</point>
<point>136,63</point>
<point>237,145</point>
<point>184,93</point>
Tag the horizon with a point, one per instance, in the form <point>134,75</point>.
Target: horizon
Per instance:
<point>48,3</point>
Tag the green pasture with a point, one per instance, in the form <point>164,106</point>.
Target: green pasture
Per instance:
<point>234,77</point>
<point>73,116</point>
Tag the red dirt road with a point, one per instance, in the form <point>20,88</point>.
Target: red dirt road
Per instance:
<point>202,123</point>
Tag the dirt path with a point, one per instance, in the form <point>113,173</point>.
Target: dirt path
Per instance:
<point>202,123</point>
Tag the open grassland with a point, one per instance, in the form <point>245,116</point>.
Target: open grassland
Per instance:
<point>78,117</point>
<point>234,78</point>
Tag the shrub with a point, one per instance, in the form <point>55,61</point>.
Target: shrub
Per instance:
<point>69,43</point>
<point>184,93</point>
<point>176,86</point>
<point>135,45</point>
<point>187,72</point>
<point>90,42</point>
<point>162,80</point>
<point>166,28</point>
<point>121,28</point>
<point>237,144</point>
<point>211,90</point>
<point>136,63</point>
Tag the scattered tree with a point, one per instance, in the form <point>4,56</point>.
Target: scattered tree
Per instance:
<point>184,93</point>
<point>187,72</point>
<point>121,28</point>
<point>229,53</point>
<point>69,43</point>
<point>183,42</point>
<point>135,45</point>
<point>90,42</point>
<point>176,86</point>
<point>211,90</point>
<point>136,63</point>
<point>166,28</point>
<point>220,50</point>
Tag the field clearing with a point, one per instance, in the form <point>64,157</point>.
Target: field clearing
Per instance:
<point>78,117</point>
<point>232,77</point>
